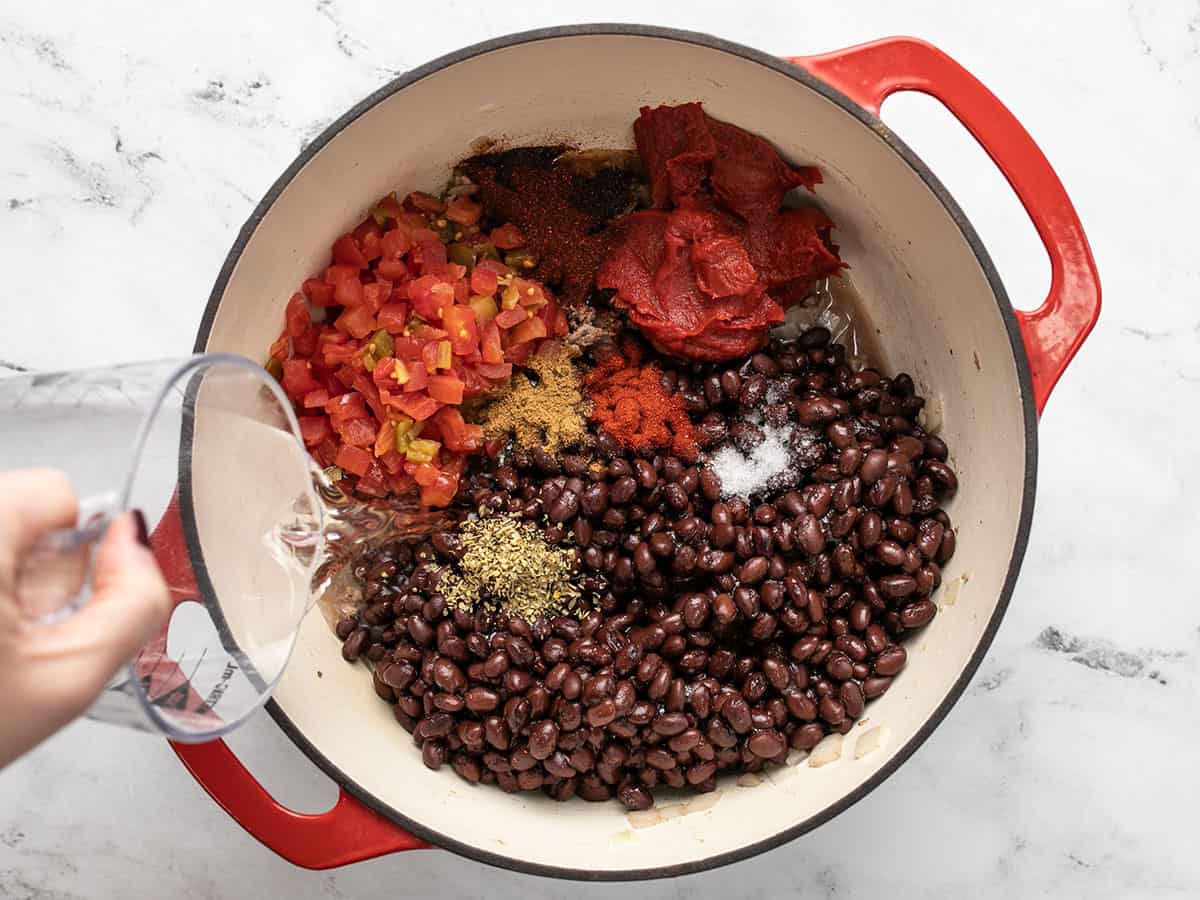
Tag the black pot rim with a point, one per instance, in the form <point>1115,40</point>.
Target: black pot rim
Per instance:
<point>1023,373</point>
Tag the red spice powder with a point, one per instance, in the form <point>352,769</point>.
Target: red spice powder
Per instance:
<point>630,403</point>
<point>562,214</point>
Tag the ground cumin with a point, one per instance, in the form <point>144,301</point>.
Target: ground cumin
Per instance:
<point>547,410</point>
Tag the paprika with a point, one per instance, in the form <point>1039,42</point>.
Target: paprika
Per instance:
<point>631,404</point>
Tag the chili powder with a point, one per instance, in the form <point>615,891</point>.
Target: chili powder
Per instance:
<point>563,213</point>
<point>631,404</point>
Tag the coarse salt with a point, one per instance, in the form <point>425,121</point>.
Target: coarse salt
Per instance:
<point>743,475</point>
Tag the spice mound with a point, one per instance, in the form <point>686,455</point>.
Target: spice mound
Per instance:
<point>561,207</point>
<point>631,404</point>
<point>545,411</point>
<point>507,563</point>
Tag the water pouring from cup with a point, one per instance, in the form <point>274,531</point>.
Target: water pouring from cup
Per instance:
<point>240,519</point>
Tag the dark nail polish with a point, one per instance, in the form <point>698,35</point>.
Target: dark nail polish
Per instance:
<point>139,522</point>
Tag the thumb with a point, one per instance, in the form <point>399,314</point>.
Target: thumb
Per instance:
<point>130,601</point>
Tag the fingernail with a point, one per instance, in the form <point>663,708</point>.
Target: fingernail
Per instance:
<point>139,523</point>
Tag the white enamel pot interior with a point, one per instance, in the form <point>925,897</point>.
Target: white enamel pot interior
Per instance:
<point>934,299</point>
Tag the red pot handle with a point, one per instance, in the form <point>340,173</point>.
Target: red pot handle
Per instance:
<point>1054,331</point>
<point>347,833</point>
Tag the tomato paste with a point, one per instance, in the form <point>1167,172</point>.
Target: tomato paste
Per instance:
<point>709,270</point>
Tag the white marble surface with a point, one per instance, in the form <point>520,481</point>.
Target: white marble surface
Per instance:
<point>135,138</point>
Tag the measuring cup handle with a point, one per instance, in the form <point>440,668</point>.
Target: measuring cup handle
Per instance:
<point>53,577</point>
<point>347,833</point>
<point>1054,332</point>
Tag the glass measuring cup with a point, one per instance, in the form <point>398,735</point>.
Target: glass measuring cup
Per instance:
<point>209,449</point>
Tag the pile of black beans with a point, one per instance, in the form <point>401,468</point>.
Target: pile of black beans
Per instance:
<point>724,632</point>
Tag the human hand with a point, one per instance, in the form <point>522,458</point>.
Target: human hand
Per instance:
<point>49,674</point>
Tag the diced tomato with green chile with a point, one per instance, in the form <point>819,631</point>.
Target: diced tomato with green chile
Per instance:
<point>389,285</point>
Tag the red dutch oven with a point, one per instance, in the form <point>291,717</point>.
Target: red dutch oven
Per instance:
<point>929,288</point>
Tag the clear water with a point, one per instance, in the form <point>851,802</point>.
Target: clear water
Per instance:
<point>836,304</point>
<point>350,527</point>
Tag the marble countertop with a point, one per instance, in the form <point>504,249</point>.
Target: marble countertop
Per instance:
<point>134,140</point>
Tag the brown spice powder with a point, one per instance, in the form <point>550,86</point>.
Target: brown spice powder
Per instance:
<point>548,411</point>
<point>562,209</point>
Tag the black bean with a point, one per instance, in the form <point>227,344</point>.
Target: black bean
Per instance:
<point>875,687</point>
<point>763,627</point>
<point>772,595</point>
<point>874,466</point>
<point>480,699</point>
<point>943,476</point>
<point>896,586</point>
<point>753,570</point>
<point>623,489</point>
<point>851,697</point>
<point>669,724</point>
<point>643,560</point>
<point>724,609</point>
<point>890,661</point>
<point>737,713</point>
<point>839,666</point>
<point>711,432</point>
<point>841,434</point>
<point>753,391</point>
<point>635,796</point>
<point>776,672</point>
<point>716,561</point>
<point>618,468</point>
<point>563,507</point>
<point>820,499</point>
<point>807,736</point>
<point>448,676</point>
<point>712,390</point>
<point>676,496</point>
<point>815,410</point>
<point>809,534</point>
<point>746,436</point>
<point>948,546</point>
<point>935,448</point>
<point>647,477</point>
<point>354,645</point>
<point>918,614</point>
<point>731,383</point>
<point>543,738</point>
<point>870,528</point>
<point>889,553</point>
<point>800,704</point>
<point>831,710</point>
<point>696,610</point>
<point>660,545</point>
<point>594,500</point>
<point>710,484</point>
<point>929,537</point>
